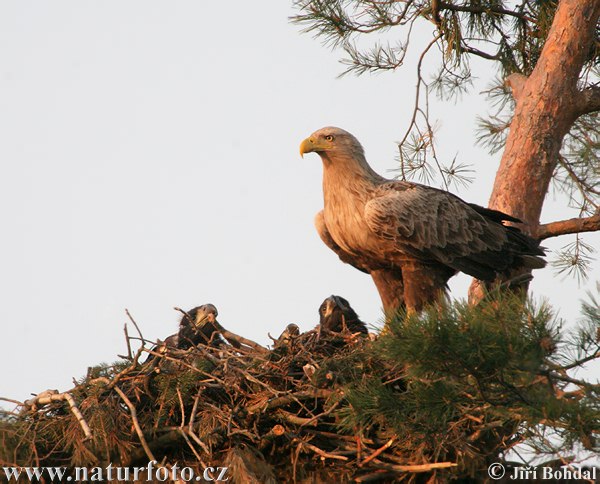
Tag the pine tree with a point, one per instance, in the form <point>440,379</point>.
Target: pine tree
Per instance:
<point>546,54</point>
<point>480,379</point>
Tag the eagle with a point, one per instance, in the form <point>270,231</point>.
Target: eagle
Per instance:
<point>336,315</point>
<point>198,325</point>
<point>290,333</point>
<point>410,238</point>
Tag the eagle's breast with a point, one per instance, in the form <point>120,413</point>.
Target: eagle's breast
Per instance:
<point>344,218</point>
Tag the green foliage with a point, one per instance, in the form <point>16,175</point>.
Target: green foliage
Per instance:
<point>469,382</point>
<point>509,33</point>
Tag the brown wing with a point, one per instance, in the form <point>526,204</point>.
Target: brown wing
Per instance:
<point>435,225</point>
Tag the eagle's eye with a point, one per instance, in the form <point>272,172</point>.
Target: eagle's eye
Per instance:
<point>328,138</point>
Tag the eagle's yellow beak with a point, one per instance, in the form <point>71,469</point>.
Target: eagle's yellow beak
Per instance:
<point>312,145</point>
<point>307,146</point>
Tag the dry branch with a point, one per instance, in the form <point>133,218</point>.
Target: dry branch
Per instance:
<point>50,396</point>
<point>570,226</point>
<point>136,423</point>
<point>387,445</point>
<point>322,453</point>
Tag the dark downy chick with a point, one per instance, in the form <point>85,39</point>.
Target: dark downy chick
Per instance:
<point>336,315</point>
<point>199,325</point>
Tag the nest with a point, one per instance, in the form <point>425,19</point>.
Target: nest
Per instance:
<point>277,415</point>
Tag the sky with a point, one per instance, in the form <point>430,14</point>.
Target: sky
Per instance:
<point>149,159</point>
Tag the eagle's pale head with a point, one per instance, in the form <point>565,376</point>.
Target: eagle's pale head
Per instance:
<point>330,141</point>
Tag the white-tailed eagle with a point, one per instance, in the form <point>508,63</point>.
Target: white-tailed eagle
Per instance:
<point>337,316</point>
<point>411,238</point>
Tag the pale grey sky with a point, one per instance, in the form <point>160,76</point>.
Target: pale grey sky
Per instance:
<point>149,158</point>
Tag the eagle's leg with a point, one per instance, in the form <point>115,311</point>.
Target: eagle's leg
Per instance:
<point>390,285</point>
<point>423,284</point>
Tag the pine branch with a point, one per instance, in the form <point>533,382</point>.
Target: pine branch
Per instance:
<point>570,226</point>
<point>589,100</point>
<point>480,53</point>
<point>486,10</point>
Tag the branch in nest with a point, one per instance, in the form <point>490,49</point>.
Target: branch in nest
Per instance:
<point>570,226</point>
<point>133,413</point>
<point>294,419</point>
<point>241,340</point>
<point>322,453</point>
<point>50,396</point>
<point>416,468</point>
<point>284,400</point>
<point>136,423</point>
<point>386,446</point>
<point>10,400</point>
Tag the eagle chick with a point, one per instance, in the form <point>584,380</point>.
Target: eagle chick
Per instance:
<point>336,315</point>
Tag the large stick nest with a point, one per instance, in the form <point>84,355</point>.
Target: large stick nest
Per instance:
<point>276,415</point>
<point>439,397</point>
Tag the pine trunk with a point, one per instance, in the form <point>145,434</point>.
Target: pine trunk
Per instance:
<point>547,104</point>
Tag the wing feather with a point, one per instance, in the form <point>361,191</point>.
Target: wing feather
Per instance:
<point>436,225</point>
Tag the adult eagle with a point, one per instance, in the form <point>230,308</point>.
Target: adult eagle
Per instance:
<point>411,238</point>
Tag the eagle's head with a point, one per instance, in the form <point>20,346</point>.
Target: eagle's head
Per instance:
<point>199,316</point>
<point>331,141</point>
<point>336,314</point>
<point>291,332</point>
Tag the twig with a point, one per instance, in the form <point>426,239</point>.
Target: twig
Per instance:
<point>323,414</point>
<point>199,442</point>
<point>347,438</point>
<point>50,396</point>
<point>181,406</point>
<point>10,400</point>
<point>136,326</point>
<point>241,340</point>
<point>381,449</point>
<point>284,400</point>
<point>136,423</point>
<point>111,383</point>
<point>494,10</point>
<point>322,453</point>
<point>129,352</point>
<point>416,468</point>
<point>579,362</point>
<point>188,366</point>
<point>187,440</point>
<point>195,408</point>
<point>294,419</point>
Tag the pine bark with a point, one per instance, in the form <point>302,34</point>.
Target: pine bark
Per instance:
<point>547,104</point>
